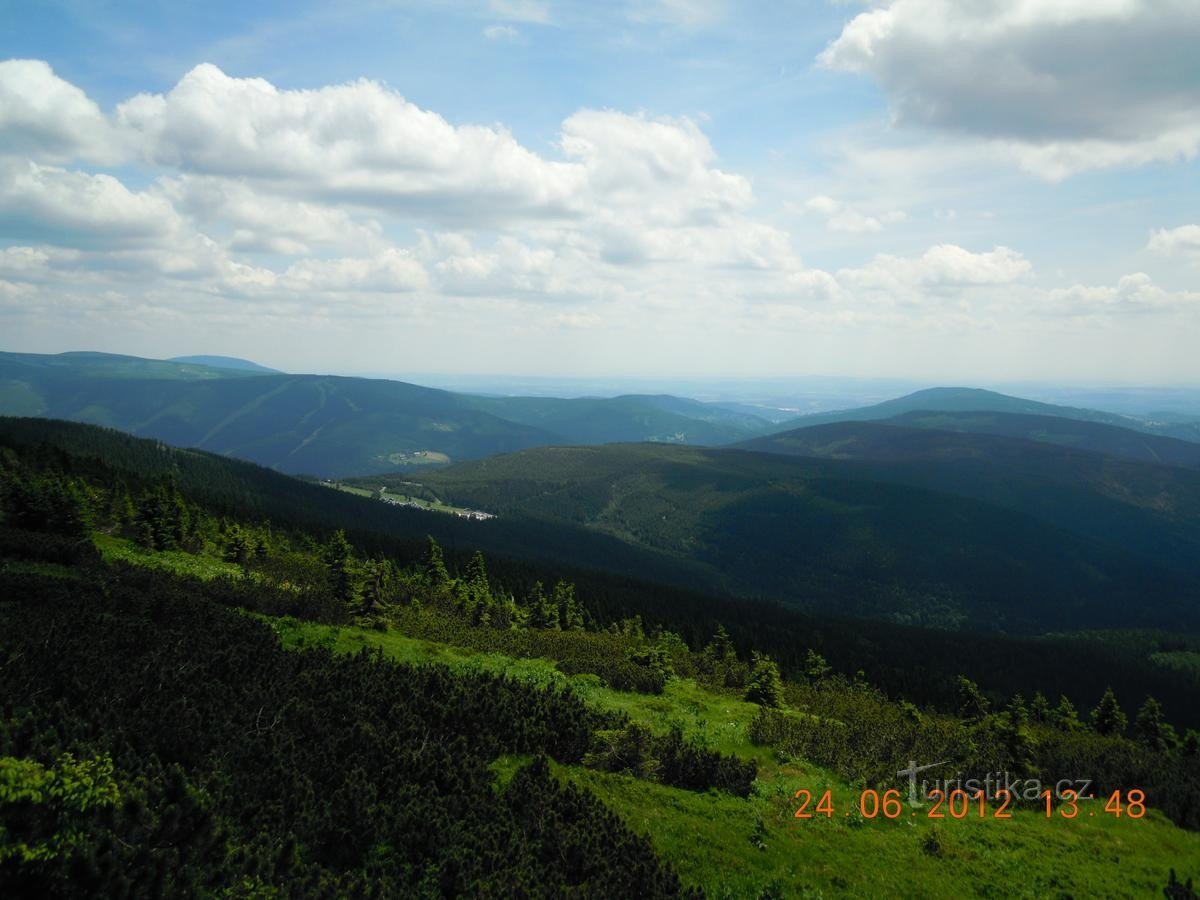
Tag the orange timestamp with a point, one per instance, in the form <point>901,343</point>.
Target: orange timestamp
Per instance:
<point>958,804</point>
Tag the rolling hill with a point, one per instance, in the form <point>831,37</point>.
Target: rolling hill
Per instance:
<point>1080,434</point>
<point>335,426</point>
<point>1148,509</point>
<point>224,362</point>
<point>903,541</point>
<point>632,417</point>
<point>975,400</point>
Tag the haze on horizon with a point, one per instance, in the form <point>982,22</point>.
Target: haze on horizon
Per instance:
<point>915,189</point>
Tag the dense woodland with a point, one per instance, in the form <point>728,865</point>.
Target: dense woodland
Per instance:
<point>183,750</point>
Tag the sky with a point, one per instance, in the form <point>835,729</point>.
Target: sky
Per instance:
<point>936,190</point>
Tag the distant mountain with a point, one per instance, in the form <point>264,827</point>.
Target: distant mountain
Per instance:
<point>1096,437</point>
<point>90,364</point>
<point>632,417</point>
<point>1148,509</point>
<point>983,544</point>
<point>976,400</point>
<point>225,362</point>
<point>331,426</point>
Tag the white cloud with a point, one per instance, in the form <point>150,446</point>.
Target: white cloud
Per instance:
<point>840,217</point>
<point>263,222</point>
<point>45,118</point>
<point>1061,85</point>
<point>944,267</point>
<point>1182,241</point>
<point>392,271</point>
<point>358,143</point>
<point>1136,293</point>
<point>73,208</point>
<point>501,33</point>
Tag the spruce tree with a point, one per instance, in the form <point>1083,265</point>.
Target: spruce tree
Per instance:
<point>1107,717</point>
<point>765,687</point>
<point>971,702</point>
<point>1039,709</point>
<point>337,559</point>
<point>1064,717</point>
<point>1151,729</point>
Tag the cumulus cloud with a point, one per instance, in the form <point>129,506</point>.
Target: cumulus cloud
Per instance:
<point>45,118</point>
<point>394,270</point>
<point>72,208</point>
<point>354,143</point>
<point>1063,85</point>
<point>263,222</point>
<point>1182,241</point>
<point>941,268</point>
<point>1136,293</point>
<point>840,217</point>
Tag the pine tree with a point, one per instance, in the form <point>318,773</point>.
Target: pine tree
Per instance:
<point>570,616</point>
<point>765,686</point>
<point>337,558</point>
<point>434,566</point>
<point>1039,709</point>
<point>1151,729</point>
<point>971,702</point>
<point>815,666</point>
<point>1064,717</point>
<point>1107,717</point>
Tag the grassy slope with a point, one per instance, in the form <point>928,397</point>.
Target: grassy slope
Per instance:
<point>708,837</point>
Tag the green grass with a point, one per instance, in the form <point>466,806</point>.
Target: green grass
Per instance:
<point>115,549</point>
<point>709,837</point>
<point>710,840</point>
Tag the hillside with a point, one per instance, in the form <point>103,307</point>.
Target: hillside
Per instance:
<point>975,400</point>
<point>853,536</point>
<point>632,417</point>
<point>1148,509</point>
<point>224,362</point>
<point>1096,437</point>
<point>334,426</point>
<point>622,580</point>
<point>205,700</point>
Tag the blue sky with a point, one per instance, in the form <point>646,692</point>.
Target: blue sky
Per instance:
<point>906,188</point>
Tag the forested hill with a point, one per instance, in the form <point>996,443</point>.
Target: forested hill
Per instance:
<point>620,580</point>
<point>333,426</point>
<point>967,545</point>
<point>209,699</point>
<point>975,400</point>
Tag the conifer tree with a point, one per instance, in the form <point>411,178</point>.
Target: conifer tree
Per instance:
<point>1064,717</point>
<point>1151,729</point>
<point>765,687</point>
<point>1039,709</point>
<point>815,666</point>
<point>1107,717</point>
<point>337,559</point>
<point>971,702</point>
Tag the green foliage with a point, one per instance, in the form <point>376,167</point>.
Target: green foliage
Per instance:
<point>670,758</point>
<point>43,810</point>
<point>971,702</point>
<point>1107,717</point>
<point>343,771</point>
<point>765,687</point>
<point>1151,729</point>
<point>336,555</point>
